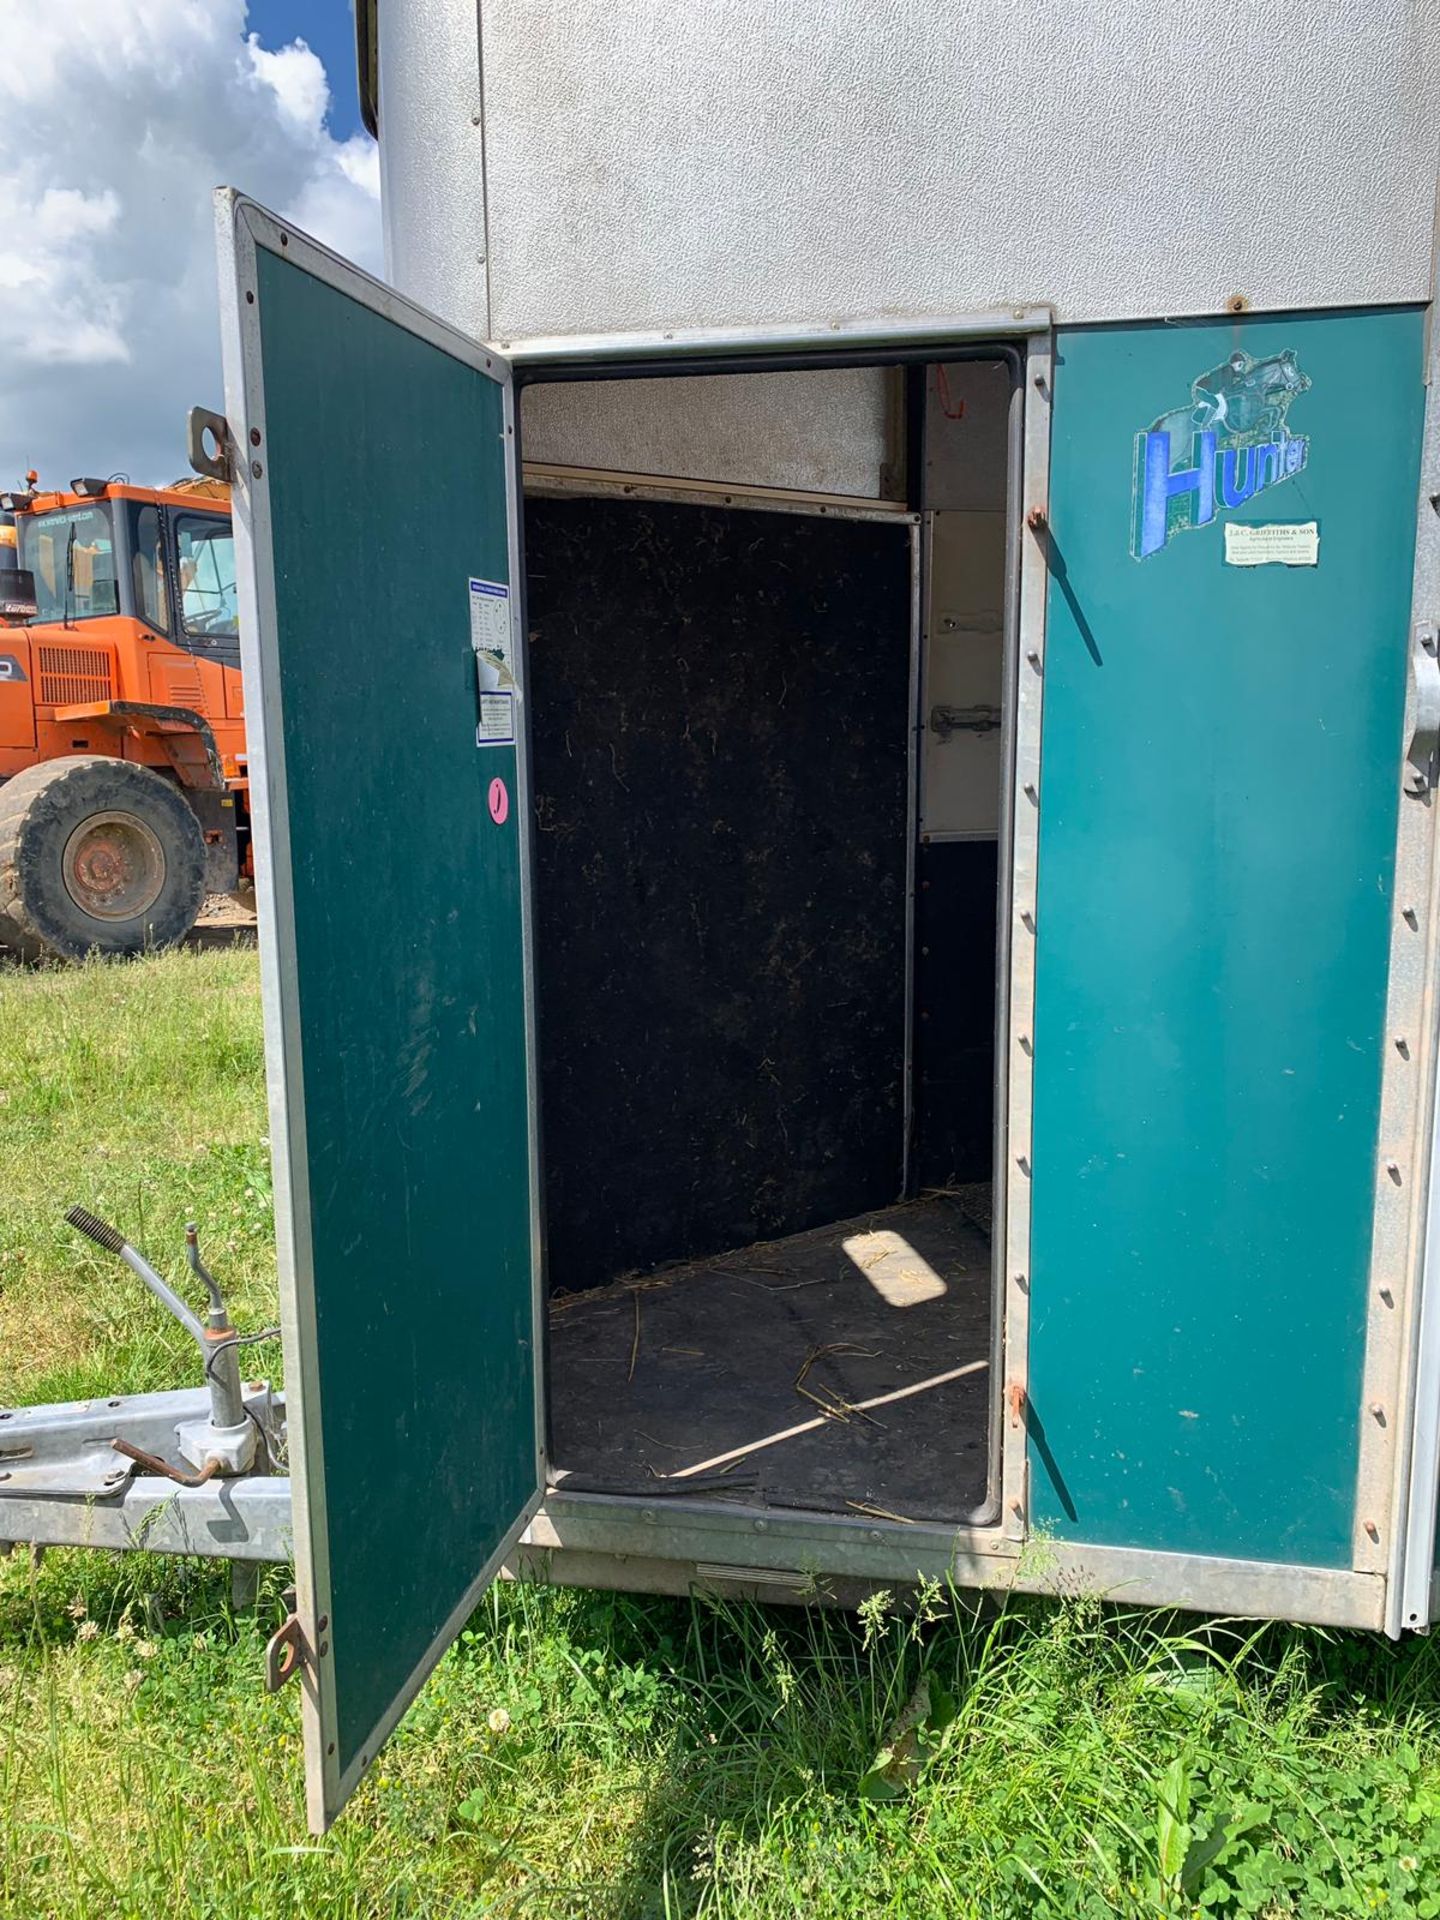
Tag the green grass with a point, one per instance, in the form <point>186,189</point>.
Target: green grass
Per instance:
<point>595,1755</point>
<point>137,1091</point>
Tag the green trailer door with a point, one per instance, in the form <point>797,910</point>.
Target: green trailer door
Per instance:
<point>376,513</point>
<point>1232,513</point>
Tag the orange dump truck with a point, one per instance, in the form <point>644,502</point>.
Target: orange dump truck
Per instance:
<point>123,789</point>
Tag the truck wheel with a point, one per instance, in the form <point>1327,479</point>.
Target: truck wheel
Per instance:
<point>96,855</point>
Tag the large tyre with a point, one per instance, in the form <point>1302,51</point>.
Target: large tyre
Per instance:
<point>96,855</point>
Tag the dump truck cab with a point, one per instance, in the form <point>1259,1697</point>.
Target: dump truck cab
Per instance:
<point>120,641</point>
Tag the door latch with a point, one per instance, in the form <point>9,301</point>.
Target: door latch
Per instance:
<point>1421,754</point>
<point>947,720</point>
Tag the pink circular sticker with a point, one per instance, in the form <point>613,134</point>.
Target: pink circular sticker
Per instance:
<point>499,802</point>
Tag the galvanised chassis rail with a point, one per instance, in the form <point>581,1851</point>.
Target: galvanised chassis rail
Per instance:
<point>62,1484</point>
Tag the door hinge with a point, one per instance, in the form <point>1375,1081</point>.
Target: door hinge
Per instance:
<point>207,442</point>
<point>1420,755</point>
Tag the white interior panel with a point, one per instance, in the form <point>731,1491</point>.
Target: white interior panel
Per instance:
<point>967,410</point>
<point>967,425</point>
<point>837,432</point>
<point>964,657</point>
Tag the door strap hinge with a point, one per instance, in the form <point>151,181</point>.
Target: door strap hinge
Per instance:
<point>285,1654</point>
<point>1421,754</point>
<point>207,442</point>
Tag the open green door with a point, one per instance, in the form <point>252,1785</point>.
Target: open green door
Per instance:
<point>375,506</point>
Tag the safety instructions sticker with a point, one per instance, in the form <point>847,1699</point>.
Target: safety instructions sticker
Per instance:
<point>491,637</point>
<point>1274,543</point>
<point>497,720</point>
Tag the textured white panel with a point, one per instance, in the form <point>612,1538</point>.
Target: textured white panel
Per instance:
<point>823,432</point>
<point>432,165</point>
<point>734,161</point>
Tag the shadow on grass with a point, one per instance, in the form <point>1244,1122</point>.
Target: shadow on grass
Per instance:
<point>1045,1794</point>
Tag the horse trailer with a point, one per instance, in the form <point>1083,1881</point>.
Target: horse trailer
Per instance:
<point>870,1014</point>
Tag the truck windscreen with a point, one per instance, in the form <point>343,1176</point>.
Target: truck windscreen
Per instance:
<point>71,552</point>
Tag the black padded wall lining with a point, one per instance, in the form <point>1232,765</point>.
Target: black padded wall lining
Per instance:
<point>719,712</point>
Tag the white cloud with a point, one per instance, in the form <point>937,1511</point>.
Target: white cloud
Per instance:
<point>297,79</point>
<point>117,117</point>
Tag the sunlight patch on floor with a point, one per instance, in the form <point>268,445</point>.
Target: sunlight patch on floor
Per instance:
<point>901,1276</point>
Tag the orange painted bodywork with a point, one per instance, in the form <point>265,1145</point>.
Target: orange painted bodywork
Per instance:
<point>71,675</point>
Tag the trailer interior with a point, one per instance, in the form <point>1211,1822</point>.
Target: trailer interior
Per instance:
<point>768,618</point>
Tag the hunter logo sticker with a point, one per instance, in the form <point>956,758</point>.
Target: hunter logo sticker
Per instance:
<point>1229,444</point>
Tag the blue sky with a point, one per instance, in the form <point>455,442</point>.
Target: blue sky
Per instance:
<point>117,119</point>
<point>328,29</point>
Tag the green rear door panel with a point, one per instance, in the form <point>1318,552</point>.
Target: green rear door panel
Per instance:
<point>386,469</point>
<point>1221,757</point>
